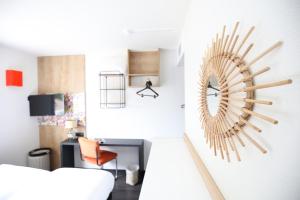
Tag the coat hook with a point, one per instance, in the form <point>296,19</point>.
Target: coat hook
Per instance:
<point>148,87</point>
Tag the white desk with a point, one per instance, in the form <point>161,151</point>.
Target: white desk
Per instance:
<point>172,174</point>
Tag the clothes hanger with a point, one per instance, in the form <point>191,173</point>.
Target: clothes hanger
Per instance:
<point>213,94</point>
<point>148,87</point>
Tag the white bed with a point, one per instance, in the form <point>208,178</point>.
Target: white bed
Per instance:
<point>18,182</point>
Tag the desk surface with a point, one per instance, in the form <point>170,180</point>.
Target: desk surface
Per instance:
<point>171,173</point>
<point>67,149</point>
<point>110,142</point>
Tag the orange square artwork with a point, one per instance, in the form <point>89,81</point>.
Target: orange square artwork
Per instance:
<point>14,78</point>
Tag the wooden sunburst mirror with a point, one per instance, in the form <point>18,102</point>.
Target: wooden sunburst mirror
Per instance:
<point>227,82</point>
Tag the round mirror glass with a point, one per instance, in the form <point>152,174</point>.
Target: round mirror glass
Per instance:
<point>213,95</point>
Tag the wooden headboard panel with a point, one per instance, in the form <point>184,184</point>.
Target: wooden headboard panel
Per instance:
<point>59,74</point>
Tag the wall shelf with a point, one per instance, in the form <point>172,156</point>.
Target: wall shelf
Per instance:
<point>143,66</point>
<point>157,74</point>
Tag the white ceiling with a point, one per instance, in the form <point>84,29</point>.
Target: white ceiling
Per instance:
<point>46,27</point>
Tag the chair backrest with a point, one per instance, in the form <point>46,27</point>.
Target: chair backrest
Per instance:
<point>88,148</point>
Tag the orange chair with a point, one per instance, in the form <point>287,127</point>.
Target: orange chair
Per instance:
<point>90,152</point>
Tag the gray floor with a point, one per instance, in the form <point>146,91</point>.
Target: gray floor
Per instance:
<point>122,191</point>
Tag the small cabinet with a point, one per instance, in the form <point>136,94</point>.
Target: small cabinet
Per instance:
<point>143,66</point>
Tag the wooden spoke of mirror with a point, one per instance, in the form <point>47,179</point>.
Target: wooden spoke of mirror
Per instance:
<point>225,60</point>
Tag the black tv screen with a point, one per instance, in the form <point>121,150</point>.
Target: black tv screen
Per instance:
<point>42,105</point>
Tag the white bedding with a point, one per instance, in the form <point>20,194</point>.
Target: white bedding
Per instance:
<point>18,182</point>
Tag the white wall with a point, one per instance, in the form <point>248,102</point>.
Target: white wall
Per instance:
<point>274,175</point>
<point>19,132</point>
<point>144,118</point>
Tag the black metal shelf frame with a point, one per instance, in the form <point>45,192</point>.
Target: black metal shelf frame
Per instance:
<point>107,90</point>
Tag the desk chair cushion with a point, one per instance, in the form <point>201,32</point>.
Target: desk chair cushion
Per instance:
<point>90,151</point>
<point>104,156</point>
<point>88,148</point>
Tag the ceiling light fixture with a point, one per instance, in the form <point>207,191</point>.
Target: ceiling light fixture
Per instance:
<point>145,30</point>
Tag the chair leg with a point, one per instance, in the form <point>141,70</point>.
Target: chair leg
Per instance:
<point>116,176</point>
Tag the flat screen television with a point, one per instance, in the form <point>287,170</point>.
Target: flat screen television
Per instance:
<point>48,104</point>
